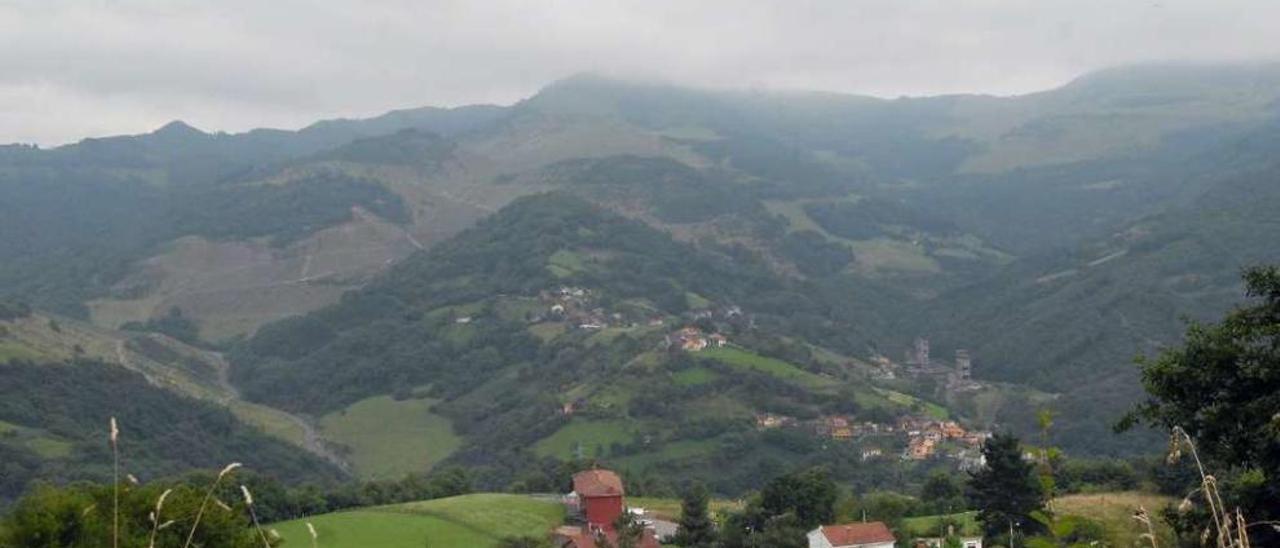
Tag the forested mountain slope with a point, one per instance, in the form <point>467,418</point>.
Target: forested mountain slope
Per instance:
<point>1054,235</point>
<point>63,379</point>
<point>1072,322</point>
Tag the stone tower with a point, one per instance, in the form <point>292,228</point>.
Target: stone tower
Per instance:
<point>964,366</point>
<point>922,352</point>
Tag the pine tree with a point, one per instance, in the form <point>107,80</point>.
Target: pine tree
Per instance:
<point>1007,490</point>
<point>696,528</point>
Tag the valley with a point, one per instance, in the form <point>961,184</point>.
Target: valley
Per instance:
<point>682,285</point>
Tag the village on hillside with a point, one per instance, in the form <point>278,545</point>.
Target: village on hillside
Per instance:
<point>924,438</point>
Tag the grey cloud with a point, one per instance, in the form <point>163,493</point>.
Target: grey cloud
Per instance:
<point>74,69</point>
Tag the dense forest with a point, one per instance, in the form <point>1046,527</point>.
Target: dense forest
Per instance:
<point>54,422</point>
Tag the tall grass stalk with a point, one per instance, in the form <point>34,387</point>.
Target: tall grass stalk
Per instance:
<point>115,485</point>
<point>1144,518</point>
<point>155,517</point>
<point>1230,528</point>
<point>205,503</point>
<point>311,529</point>
<point>248,502</point>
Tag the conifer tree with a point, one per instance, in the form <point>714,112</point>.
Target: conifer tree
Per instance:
<point>1007,490</point>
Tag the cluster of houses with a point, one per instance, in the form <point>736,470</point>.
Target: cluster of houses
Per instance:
<point>924,436</point>
<point>598,500</point>
<point>576,306</point>
<point>692,339</point>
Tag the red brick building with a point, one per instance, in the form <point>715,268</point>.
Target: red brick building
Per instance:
<point>599,496</point>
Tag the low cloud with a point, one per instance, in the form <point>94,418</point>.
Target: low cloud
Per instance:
<point>75,69</point>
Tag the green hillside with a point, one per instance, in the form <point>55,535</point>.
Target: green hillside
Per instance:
<point>54,417</point>
<point>459,319</point>
<point>469,520</point>
<point>1073,323</point>
<point>387,439</point>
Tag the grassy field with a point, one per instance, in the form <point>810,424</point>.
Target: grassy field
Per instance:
<point>671,451</point>
<point>694,376</point>
<point>593,435</point>
<point>12,350</point>
<point>934,410</point>
<point>42,443</point>
<point>695,301</point>
<point>390,438</point>
<point>886,254</point>
<point>564,263</point>
<point>271,421</point>
<point>669,509</point>
<point>1115,510</point>
<point>479,521</point>
<point>548,330</point>
<point>930,526</point>
<point>740,358</point>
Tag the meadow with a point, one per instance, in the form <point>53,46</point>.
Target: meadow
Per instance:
<point>743,359</point>
<point>591,435</point>
<point>388,438</point>
<point>478,520</point>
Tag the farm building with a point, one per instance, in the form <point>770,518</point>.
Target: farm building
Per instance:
<point>598,497</point>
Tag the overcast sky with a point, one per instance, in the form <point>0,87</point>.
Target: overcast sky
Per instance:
<point>89,68</point>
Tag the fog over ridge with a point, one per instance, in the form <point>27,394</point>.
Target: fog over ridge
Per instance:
<point>74,69</point>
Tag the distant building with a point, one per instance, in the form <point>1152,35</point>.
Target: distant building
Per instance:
<point>769,420</point>
<point>920,448</point>
<point>951,430</point>
<point>964,365</point>
<point>939,542</point>
<point>922,352</point>
<point>852,535</point>
<point>691,339</point>
<point>598,496</point>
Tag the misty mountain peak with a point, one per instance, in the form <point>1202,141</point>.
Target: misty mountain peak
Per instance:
<point>178,128</point>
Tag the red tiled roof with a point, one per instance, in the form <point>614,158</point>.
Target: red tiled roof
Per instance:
<point>597,483</point>
<point>857,533</point>
<point>578,537</point>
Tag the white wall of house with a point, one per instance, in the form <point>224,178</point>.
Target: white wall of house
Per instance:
<point>818,540</point>
<point>966,542</point>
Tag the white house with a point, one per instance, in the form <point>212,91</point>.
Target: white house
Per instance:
<point>852,535</point>
<point>937,542</point>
